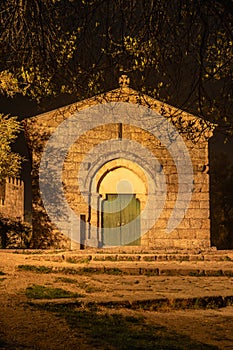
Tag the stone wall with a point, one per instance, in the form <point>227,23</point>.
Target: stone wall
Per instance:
<point>85,155</point>
<point>12,198</point>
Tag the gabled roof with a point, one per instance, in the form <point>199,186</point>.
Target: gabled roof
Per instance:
<point>183,120</point>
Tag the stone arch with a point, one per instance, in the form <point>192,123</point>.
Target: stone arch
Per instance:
<point>126,168</point>
<point>95,168</point>
<point>123,185</point>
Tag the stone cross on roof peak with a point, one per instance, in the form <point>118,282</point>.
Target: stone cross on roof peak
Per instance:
<point>124,81</point>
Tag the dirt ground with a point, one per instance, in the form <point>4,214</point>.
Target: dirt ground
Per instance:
<point>61,324</point>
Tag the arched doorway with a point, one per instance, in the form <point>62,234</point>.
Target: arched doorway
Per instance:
<point>122,186</point>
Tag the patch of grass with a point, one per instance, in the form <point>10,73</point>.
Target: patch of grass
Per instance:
<point>66,280</point>
<point>33,268</point>
<point>95,270</point>
<point>184,258</point>
<point>37,252</point>
<point>228,273</point>
<point>150,272</point>
<point>42,292</point>
<point>114,331</point>
<point>111,258</point>
<point>72,271</point>
<point>74,260</point>
<point>226,258</point>
<point>46,269</point>
<point>214,273</point>
<point>165,304</point>
<point>106,258</point>
<point>68,271</point>
<point>197,274</point>
<point>90,270</point>
<point>149,258</point>
<point>79,271</point>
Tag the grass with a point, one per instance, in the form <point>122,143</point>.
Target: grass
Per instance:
<point>38,251</point>
<point>37,269</point>
<point>65,280</point>
<point>105,258</point>
<point>197,274</point>
<point>226,258</point>
<point>149,258</point>
<point>74,260</point>
<point>90,270</point>
<point>109,330</point>
<point>184,258</point>
<point>116,271</point>
<point>42,292</point>
<point>65,270</point>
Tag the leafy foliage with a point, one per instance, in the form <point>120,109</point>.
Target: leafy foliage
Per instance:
<point>222,202</point>
<point>178,51</point>
<point>14,233</point>
<point>9,161</point>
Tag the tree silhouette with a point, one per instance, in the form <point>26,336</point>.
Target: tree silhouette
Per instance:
<point>178,51</point>
<point>222,202</point>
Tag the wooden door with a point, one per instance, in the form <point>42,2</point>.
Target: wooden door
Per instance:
<point>121,212</point>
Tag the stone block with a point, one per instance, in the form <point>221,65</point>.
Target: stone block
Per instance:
<point>197,213</point>
<point>203,234</point>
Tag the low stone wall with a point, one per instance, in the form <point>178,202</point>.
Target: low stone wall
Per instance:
<point>12,198</point>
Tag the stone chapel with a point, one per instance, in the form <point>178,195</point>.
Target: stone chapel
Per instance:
<point>120,169</point>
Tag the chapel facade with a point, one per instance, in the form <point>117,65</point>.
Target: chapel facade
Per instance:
<point>120,169</point>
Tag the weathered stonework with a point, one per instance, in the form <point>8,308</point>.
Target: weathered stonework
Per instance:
<point>192,232</point>
<point>12,198</point>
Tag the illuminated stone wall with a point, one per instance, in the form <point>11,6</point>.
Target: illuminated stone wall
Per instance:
<point>12,198</point>
<point>193,231</point>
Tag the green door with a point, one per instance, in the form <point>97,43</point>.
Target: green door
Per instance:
<point>121,220</point>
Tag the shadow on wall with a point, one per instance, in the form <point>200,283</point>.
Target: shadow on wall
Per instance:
<point>221,191</point>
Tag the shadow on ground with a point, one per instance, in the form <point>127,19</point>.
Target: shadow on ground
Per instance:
<point>115,331</point>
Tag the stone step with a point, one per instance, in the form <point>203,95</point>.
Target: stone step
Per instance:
<point>130,270</point>
<point>85,257</point>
